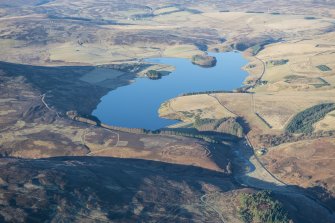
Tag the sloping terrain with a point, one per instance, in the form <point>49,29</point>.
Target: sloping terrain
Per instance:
<point>190,179</point>
<point>103,32</point>
<point>87,189</point>
<point>106,189</point>
<point>35,126</point>
<point>60,164</point>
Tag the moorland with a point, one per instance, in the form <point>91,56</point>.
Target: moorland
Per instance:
<point>276,133</point>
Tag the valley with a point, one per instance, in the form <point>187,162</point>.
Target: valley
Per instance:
<point>104,118</point>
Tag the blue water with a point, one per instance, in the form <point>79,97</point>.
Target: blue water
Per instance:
<point>136,105</point>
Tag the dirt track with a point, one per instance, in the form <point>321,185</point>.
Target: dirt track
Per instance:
<point>254,174</point>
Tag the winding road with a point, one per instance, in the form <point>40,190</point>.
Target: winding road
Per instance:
<point>46,105</point>
<point>92,153</point>
<point>255,175</point>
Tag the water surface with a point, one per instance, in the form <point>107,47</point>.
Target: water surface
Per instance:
<point>136,105</point>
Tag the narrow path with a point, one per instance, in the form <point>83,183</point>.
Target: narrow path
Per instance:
<point>223,105</point>
<point>91,153</point>
<point>263,71</point>
<point>83,140</point>
<point>204,201</point>
<point>260,164</point>
<point>170,107</point>
<point>47,106</point>
<point>253,105</point>
<point>254,161</point>
<point>259,177</point>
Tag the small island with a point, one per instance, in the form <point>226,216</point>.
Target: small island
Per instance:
<point>154,75</point>
<point>204,60</point>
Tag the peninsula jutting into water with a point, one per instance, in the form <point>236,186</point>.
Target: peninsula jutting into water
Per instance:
<point>136,105</point>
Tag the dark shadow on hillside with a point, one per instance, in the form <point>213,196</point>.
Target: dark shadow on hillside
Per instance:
<point>129,190</point>
<point>193,132</point>
<point>322,194</point>
<point>125,190</point>
<point>245,125</point>
<point>63,87</point>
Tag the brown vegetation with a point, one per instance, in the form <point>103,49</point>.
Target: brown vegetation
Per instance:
<point>167,177</point>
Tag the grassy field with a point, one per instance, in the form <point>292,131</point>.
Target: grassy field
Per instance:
<point>327,123</point>
<point>282,109</point>
<point>187,108</point>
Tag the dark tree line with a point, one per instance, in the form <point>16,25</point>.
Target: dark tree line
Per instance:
<point>303,121</point>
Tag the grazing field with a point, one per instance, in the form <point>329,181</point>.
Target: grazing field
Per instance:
<point>283,107</point>
<point>189,107</point>
<point>327,123</point>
